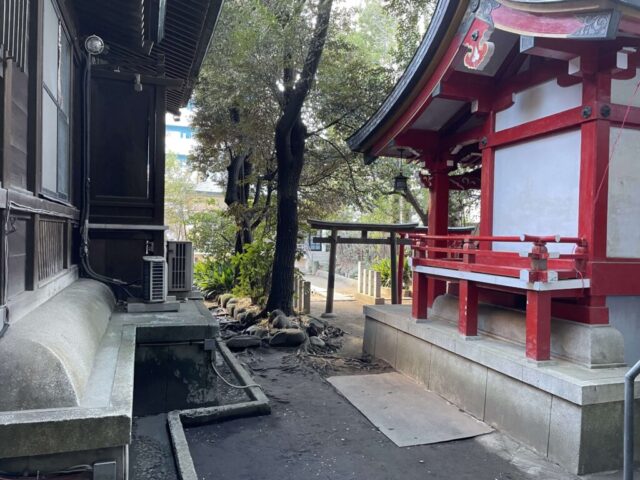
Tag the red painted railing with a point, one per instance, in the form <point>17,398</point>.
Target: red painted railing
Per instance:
<point>472,253</point>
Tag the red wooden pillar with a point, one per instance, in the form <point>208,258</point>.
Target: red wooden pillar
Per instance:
<point>468,297</point>
<point>486,186</point>
<point>419,299</point>
<point>438,224</point>
<point>538,325</point>
<point>594,184</point>
<point>400,268</point>
<point>468,308</point>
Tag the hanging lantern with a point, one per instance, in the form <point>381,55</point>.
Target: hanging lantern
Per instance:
<point>400,182</point>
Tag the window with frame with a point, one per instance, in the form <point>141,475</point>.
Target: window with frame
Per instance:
<point>56,104</point>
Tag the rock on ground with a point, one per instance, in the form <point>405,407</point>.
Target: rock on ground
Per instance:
<point>289,337</point>
<point>243,341</point>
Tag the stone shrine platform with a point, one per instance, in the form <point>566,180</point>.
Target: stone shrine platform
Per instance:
<point>568,410</point>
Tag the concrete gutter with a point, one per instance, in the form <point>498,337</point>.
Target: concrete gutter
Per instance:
<point>178,419</point>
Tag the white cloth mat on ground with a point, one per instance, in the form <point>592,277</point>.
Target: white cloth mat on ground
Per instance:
<point>405,411</point>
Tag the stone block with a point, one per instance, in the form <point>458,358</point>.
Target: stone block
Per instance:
<point>369,338</point>
<point>601,445</point>
<point>386,344</point>
<point>518,409</point>
<point>565,434</point>
<point>459,380</point>
<point>589,345</point>
<point>413,358</point>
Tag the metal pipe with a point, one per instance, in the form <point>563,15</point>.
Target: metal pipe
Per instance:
<point>629,384</point>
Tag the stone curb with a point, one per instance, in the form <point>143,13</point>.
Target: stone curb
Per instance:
<point>176,420</point>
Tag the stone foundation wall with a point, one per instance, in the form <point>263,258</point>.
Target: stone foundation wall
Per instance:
<point>583,437</point>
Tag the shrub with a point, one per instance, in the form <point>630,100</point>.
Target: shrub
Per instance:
<point>253,268</point>
<point>213,232</point>
<point>383,267</point>
<point>213,277</point>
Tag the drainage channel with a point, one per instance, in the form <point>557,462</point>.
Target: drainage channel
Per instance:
<point>197,383</point>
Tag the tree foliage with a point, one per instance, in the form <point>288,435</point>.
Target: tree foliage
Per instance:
<point>285,83</point>
<point>179,196</point>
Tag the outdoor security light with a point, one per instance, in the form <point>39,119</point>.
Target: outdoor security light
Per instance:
<point>137,84</point>
<point>94,45</point>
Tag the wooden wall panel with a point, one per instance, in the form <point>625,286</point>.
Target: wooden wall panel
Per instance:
<point>122,146</point>
<point>17,149</point>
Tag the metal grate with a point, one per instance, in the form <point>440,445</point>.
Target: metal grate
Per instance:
<point>51,247</point>
<point>154,279</point>
<point>180,260</point>
<point>14,31</point>
<point>177,266</point>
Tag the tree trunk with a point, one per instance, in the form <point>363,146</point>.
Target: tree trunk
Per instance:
<point>289,172</point>
<point>290,143</point>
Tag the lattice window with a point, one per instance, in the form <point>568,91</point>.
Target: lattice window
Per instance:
<point>51,248</point>
<point>14,31</point>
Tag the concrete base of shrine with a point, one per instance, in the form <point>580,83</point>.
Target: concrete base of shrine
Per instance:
<point>567,412</point>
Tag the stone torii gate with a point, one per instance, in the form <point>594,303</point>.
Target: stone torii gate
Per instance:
<point>396,240</point>
<point>394,231</point>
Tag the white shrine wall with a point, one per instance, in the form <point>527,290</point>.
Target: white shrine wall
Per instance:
<point>623,315</point>
<point>626,92</point>
<point>536,190</point>
<point>538,102</point>
<point>623,208</point>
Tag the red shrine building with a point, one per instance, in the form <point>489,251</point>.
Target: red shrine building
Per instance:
<point>529,324</point>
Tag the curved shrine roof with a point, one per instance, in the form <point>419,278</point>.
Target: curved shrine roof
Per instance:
<point>576,19</point>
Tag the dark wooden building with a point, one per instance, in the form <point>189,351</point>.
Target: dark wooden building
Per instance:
<point>84,147</point>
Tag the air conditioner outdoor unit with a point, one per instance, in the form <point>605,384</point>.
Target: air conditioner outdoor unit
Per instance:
<point>154,279</point>
<point>180,262</point>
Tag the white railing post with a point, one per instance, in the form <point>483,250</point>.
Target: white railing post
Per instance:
<point>377,285</point>
<point>306,297</point>
<point>371,282</point>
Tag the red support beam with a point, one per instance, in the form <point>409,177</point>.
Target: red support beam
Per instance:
<point>468,309</point>
<point>486,193</point>
<point>419,296</point>
<point>538,325</point>
<point>536,128</point>
<point>400,273</point>
<point>438,224</point>
<point>594,180</point>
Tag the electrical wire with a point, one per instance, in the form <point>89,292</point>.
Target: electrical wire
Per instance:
<point>239,387</point>
<point>86,190</point>
<point>5,267</point>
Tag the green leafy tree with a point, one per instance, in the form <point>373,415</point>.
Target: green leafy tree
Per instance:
<point>269,95</point>
<point>213,232</point>
<point>179,196</point>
